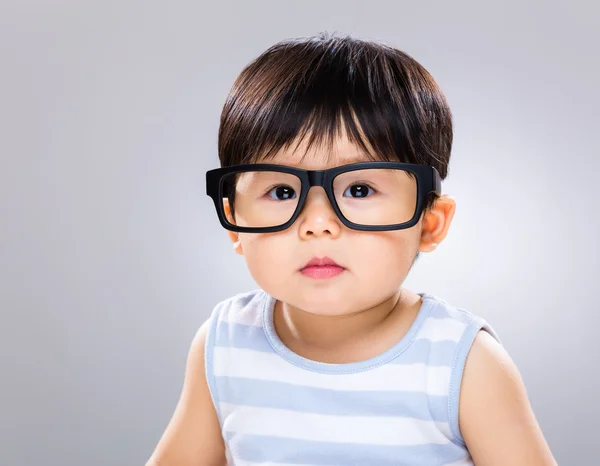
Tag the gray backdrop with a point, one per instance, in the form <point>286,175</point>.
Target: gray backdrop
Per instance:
<point>111,255</point>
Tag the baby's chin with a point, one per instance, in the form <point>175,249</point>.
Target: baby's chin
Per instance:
<point>322,302</point>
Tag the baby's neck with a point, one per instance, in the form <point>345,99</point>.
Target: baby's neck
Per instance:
<point>348,338</point>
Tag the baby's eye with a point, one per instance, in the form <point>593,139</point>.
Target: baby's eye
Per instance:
<point>358,190</point>
<point>282,193</point>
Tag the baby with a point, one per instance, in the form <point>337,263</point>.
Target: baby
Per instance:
<point>332,154</point>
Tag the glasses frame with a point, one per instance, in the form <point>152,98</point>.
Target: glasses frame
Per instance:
<point>427,177</point>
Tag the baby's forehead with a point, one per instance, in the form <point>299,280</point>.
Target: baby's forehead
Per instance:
<point>319,156</point>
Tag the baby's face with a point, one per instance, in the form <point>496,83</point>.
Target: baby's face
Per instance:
<point>374,264</point>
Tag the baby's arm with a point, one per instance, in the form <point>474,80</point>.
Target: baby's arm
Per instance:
<point>193,436</point>
<point>496,418</point>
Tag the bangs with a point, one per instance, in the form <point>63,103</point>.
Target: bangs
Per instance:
<point>316,90</point>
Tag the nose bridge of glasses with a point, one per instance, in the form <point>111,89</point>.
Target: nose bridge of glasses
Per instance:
<point>316,178</point>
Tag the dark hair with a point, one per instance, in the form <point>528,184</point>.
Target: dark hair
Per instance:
<point>385,101</point>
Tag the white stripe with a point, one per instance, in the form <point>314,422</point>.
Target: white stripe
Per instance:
<point>239,362</point>
<point>244,316</point>
<point>238,462</point>
<point>442,330</point>
<point>366,430</point>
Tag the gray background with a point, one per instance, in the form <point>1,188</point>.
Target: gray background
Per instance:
<point>111,255</point>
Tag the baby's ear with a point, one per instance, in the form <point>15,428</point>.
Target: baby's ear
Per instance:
<point>436,223</point>
<point>233,235</point>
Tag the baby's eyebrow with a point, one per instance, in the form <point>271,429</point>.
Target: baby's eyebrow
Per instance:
<point>362,157</point>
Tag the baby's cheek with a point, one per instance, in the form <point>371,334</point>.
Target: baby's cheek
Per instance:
<point>267,260</point>
<point>385,259</point>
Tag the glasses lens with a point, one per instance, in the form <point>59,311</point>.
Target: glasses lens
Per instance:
<point>260,199</point>
<point>376,197</point>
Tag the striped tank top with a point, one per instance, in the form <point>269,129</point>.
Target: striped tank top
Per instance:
<point>398,408</point>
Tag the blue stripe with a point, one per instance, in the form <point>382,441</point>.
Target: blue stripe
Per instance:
<point>253,337</point>
<point>268,394</point>
<point>276,449</point>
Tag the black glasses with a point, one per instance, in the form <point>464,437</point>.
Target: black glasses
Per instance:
<point>367,196</point>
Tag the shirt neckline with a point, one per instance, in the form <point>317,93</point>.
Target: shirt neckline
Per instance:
<point>385,357</point>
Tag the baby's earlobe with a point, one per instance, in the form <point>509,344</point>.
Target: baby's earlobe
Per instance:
<point>237,244</point>
<point>237,247</point>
